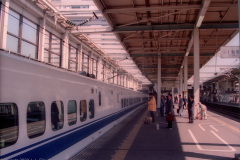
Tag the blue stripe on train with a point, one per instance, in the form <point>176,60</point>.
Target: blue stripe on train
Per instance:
<point>53,148</point>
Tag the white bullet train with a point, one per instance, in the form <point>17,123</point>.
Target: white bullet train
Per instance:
<point>48,112</point>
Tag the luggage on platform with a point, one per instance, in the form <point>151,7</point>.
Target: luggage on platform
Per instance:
<point>147,120</point>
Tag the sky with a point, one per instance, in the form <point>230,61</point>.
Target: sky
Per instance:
<point>217,64</point>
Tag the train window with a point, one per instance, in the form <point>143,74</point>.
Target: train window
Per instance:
<point>72,112</point>
<point>83,110</point>
<point>57,115</point>
<point>91,109</point>
<point>92,91</point>
<point>35,119</point>
<point>9,124</point>
<point>100,98</point>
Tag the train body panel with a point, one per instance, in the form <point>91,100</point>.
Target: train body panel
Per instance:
<point>93,106</point>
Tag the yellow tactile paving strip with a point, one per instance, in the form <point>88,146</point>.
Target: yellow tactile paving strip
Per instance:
<point>225,124</point>
<point>123,149</point>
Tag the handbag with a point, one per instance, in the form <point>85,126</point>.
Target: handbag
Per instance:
<point>170,117</point>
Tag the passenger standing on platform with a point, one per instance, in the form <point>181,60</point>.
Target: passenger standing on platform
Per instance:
<point>169,109</point>
<point>180,105</point>
<point>191,109</point>
<point>152,107</point>
<point>162,105</point>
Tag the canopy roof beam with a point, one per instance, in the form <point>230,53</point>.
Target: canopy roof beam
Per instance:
<point>164,7</point>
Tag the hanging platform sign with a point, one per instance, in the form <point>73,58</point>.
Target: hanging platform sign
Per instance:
<point>229,52</point>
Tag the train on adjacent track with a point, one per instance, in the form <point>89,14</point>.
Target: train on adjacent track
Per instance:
<point>49,112</point>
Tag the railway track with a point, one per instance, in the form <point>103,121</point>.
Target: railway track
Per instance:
<point>223,109</point>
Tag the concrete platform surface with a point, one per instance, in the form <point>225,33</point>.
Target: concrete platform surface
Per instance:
<point>218,138</point>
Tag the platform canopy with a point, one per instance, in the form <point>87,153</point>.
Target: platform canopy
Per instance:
<point>150,28</point>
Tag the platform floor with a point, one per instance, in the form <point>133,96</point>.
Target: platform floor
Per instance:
<point>218,137</point>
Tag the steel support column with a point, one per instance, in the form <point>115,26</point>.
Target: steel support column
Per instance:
<point>65,49</point>
<point>90,62</point>
<point>239,45</point>
<point>4,23</point>
<point>185,76</point>
<point>159,86</point>
<point>181,82</point>
<point>211,96</point>
<point>196,69</point>
<point>178,86</point>
<point>79,57</point>
<point>0,12</point>
<point>42,30</point>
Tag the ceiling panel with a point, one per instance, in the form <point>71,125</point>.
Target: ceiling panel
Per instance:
<point>148,28</point>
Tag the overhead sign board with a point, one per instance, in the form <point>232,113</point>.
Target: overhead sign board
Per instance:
<point>229,52</point>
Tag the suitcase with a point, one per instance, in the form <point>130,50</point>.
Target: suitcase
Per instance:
<point>147,120</point>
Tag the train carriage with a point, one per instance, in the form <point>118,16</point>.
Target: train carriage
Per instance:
<point>50,112</point>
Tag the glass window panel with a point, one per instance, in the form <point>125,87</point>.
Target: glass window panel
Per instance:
<point>76,6</point>
<point>29,31</point>
<point>82,60</point>
<point>13,23</point>
<point>9,124</point>
<point>91,109</point>
<point>72,66</point>
<point>28,49</point>
<point>35,119</point>
<point>73,58</point>
<point>107,73</point>
<point>72,112</point>
<point>83,110</point>
<point>115,77</point>
<point>12,44</point>
<point>85,6</point>
<point>46,42</point>
<point>95,67</point>
<point>103,71</point>
<point>57,115</point>
<point>55,45</point>
<point>85,63</point>
<point>55,59</point>
<point>73,54</point>
<point>46,56</point>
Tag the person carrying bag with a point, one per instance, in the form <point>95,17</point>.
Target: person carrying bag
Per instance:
<point>169,111</point>
<point>152,107</point>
